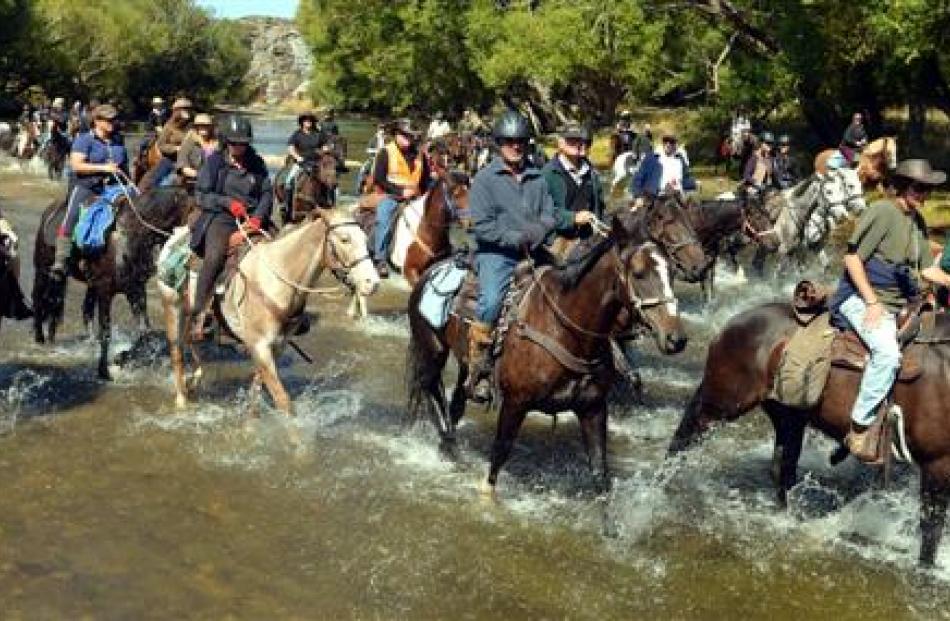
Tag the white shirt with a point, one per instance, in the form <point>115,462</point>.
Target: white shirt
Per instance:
<point>438,129</point>
<point>577,174</point>
<point>672,172</point>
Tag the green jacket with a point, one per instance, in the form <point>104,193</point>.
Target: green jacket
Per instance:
<point>558,178</point>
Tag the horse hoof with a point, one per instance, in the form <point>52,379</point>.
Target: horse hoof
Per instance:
<point>487,492</point>
<point>104,374</point>
<point>181,402</point>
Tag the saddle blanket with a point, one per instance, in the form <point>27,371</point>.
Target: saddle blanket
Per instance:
<point>95,220</point>
<point>439,292</point>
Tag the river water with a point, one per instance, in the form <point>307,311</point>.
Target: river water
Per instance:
<point>117,506</point>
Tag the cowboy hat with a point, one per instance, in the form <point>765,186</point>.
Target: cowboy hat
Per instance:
<point>307,116</point>
<point>105,112</point>
<point>920,171</point>
<point>203,119</point>
<point>182,103</point>
<point>404,126</point>
<point>575,131</point>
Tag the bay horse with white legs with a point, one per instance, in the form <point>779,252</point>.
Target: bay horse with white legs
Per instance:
<point>314,187</point>
<point>740,364</point>
<point>268,292</point>
<point>421,230</point>
<point>556,353</point>
<point>879,157</point>
<point>124,266</point>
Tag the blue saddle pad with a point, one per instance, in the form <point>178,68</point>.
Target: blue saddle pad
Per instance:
<point>95,220</point>
<point>439,291</point>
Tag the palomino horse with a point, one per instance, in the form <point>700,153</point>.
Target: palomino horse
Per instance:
<point>556,354</point>
<point>268,291</point>
<point>876,160</point>
<point>315,187</point>
<point>124,266</point>
<point>421,231</point>
<point>738,377</point>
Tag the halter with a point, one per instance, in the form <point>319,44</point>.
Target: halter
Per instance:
<point>673,248</point>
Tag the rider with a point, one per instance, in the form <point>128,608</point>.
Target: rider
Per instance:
<point>662,173</point>
<point>783,169</point>
<point>170,139</point>
<point>886,255</point>
<point>197,147</point>
<point>233,185</point>
<point>572,180</point>
<point>438,127</point>
<point>328,125</point>
<point>303,146</point>
<point>95,159</point>
<point>56,121</point>
<point>401,173</point>
<point>625,134</point>
<point>158,115</point>
<point>854,140</point>
<point>512,210</point>
<point>758,170</point>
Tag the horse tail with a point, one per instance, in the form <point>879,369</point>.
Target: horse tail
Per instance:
<point>690,430</point>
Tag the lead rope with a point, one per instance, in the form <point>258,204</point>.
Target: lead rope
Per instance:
<point>121,178</point>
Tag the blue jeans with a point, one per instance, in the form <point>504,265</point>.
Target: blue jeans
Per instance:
<point>385,211</point>
<point>494,277</point>
<point>885,361</point>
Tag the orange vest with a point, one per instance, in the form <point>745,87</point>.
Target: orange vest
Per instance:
<point>399,173</point>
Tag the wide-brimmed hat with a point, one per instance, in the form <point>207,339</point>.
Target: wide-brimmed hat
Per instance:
<point>307,116</point>
<point>182,103</point>
<point>106,112</point>
<point>404,126</point>
<point>575,131</point>
<point>157,101</point>
<point>920,171</point>
<point>668,138</point>
<point>203,119</point>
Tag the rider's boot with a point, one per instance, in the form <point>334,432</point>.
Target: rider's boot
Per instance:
<point>477,385</point>
<point>63,246</point>
<point>863,442</point>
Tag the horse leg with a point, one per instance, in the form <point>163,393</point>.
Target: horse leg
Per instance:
<point>263,355</point>
<point>509,422</point>
<point>175,329</point>
<point>593,424</point>
<point>934,494</point>
<point>105,333</point>
<point>40,296</point>
<point>138,302</point>
<point>89,312</point>
<point>789,435</point>
<point>457,405</point>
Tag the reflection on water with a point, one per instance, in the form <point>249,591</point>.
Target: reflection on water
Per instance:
<point>118,506</point>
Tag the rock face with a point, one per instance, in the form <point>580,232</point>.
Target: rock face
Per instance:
<point>280,59</point>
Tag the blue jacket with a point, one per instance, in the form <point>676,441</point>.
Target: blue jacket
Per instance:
<point>647,178</point>
<point>508,215</point>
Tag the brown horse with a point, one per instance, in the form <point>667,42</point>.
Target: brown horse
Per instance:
<point>315,187</point>
<point>124,266</point>
<point>421,231</point>
<point>879,157</point>
<point>146,160</point>
<point>738,376</point>
<point>556,354</point>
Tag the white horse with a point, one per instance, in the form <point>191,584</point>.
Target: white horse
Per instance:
<point>624,166</point>
<point>271,285</point>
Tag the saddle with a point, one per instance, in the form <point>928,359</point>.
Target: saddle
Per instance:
<point>365,216</point>
<point>237,250</point>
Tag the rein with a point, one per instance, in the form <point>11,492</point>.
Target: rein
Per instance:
<point>122,179</point>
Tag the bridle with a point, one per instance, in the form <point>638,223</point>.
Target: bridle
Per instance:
<point>327,195</point>
<point>673,248</point>
<point>341,270</point>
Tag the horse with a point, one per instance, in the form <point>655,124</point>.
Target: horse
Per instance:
<point>54,154</point>
<point>556,352</point>
<point>123,266</point>
<point>421,231</point>
<point>726,154</point>
<point>26,143</point>
<point>12,304</point>
<point>145,160</point>
<point>877,158</point>
<point>624,166</point>
<point>725,224</point>
<point>667,223</point>
<point>737,378</point>
<point>315,186</point>
<point>268,290</point>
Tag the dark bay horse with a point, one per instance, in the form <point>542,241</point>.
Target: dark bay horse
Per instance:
<point>737,378</point>
<point>145,160</point>
<point>556,352</point>
<point>725,225</point>
<point>124,266</point>
<point>668,224</point>
<point>314,187</point>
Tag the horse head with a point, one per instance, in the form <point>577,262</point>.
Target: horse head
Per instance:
<point>317,185</point>
<point>646,287</point>
<point>346,252</point>
<point>457,185</point>
<point>667,223</point>
<point>8,245</point>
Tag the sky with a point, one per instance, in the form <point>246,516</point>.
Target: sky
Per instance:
<point>240,8</point>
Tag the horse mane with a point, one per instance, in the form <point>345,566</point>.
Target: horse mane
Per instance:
<point>580,261</point>
<point>799,189</point>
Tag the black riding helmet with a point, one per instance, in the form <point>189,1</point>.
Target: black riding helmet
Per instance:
<point>236,129</point>
<point>784,140</point>
<point>767,137</point>
<point>511,125</point>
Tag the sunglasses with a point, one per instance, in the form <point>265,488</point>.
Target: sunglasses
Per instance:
<point>920,189</point>
<point>513,142</point>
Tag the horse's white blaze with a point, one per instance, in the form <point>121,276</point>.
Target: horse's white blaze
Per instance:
<point>406,227</point>
<point>664,269</point>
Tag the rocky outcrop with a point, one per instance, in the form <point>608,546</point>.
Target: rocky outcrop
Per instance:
<point>280,60</point>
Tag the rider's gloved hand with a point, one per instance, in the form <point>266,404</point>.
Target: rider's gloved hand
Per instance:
<point>254,223</point>
<point>237,209</point>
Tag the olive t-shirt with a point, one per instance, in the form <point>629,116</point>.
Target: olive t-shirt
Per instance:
<point>886,232</point>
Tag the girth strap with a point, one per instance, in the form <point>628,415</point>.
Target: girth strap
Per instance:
<point>560,353</point>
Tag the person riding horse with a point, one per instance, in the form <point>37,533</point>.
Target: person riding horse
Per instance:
<point>758,170</point>
<point>854,140</point>
<point>784,174</point>
<point>572,180</point>
<point>197,147</point>
<point>662,173</point>
<point>401,173</point>
<point>512,211</point>
<point>886,255</point>
<point>303,147</point>
<point>170,139</point>
<point>95,159</point>
<point>157,116</point>
<point>233,185</point>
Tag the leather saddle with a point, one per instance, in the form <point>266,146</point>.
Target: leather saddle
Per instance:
<point>467,297</point>
<point>849,352</point>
